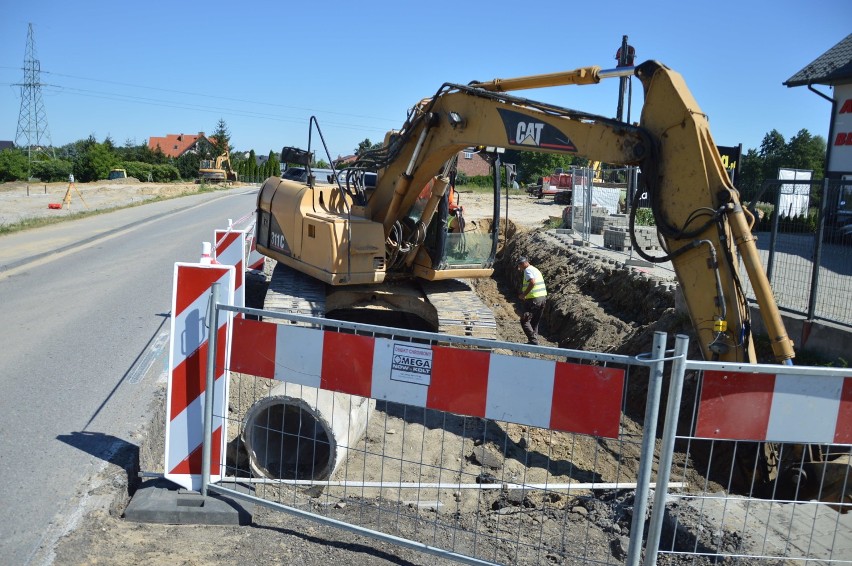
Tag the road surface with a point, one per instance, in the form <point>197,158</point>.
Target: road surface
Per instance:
<point>84,332</point>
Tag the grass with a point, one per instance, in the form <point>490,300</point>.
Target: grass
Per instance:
<point>553,224</point>
<point>40,221</point>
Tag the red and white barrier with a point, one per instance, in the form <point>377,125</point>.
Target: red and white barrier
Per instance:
<point>188,371</point>
<point>230,250</point>
<point>542,393</point>
<point>782,408</point>
<point>255,259</point>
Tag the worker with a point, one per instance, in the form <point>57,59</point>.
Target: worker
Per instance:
<point>456,221</point>
<point>534,294</point>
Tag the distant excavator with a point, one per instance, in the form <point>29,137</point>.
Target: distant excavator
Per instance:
<point>217,171</point>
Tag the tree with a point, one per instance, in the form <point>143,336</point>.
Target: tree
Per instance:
<point>252,165</point>
<point>531,165</point>
<point>773,152</point>
<point>274,166</point>
<point>92,160</point>
<point>751,175</point>
<point>805,151</point>
<point>221,138</point>
<point>188,165</point>
<point>366,146</point>
<point>13,165</point>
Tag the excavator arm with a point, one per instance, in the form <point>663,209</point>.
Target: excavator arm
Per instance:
<point>701,223</point>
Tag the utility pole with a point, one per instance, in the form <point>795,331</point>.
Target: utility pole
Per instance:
<point>624,56</point>
<point>32,119</point>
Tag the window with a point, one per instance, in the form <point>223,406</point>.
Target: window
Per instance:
<point>468,155</point>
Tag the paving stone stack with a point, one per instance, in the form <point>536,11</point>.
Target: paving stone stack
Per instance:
<point>598,219</point>
<point>615,220</point>
<point>618,238</point>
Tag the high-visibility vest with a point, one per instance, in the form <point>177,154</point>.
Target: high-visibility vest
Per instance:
<point>539,289</point>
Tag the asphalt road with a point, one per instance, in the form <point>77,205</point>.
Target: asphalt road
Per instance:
<point>84,309</point>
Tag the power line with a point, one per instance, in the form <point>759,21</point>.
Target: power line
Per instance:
<point>197,107</point>
<point>202,95</point>
<point>213,96</point>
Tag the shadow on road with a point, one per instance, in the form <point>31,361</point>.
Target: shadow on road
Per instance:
<point>108,448</point>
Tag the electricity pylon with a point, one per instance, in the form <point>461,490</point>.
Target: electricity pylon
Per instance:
<point>32,119</point>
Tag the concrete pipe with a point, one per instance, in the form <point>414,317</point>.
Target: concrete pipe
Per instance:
<point>300,432</point>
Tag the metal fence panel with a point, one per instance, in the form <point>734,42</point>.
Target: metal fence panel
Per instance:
<point>736,517</point>
<point>464,487</point>
<point>789,244</point>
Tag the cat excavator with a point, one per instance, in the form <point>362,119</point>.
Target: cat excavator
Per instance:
<point>361,244</point>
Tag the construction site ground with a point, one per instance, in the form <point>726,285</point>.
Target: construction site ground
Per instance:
<point>596,303</point>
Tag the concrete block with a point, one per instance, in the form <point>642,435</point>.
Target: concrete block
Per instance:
<point>160,501</point>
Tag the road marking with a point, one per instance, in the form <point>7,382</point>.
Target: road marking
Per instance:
<point>140,369</point>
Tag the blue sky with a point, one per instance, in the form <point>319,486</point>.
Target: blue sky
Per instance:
<point>135,70</point>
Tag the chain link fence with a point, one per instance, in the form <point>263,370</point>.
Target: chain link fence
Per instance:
<point>806,250</point>
<point>475,489</point>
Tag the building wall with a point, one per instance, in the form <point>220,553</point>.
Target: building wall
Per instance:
<point>472,164</point>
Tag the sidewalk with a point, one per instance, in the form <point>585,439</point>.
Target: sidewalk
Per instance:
<point>628,258</point>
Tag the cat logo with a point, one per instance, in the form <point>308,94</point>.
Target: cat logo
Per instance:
<point>524,131</point>
<point>529,133</point>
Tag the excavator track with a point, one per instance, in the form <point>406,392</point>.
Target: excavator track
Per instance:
<point>292,291</point>
<point>460,311</point>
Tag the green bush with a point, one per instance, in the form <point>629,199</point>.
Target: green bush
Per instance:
<point>799,224</point>
<point>56,170</point>
<point>165,173</point>
<point>475,180</point>
<point>644,217</point>
<point>13,165</point>
<point>138,169</point>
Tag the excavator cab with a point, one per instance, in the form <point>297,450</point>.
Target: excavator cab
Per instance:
<point>450,242</point>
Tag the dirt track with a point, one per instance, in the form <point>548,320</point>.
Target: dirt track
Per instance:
<point>589,308</point>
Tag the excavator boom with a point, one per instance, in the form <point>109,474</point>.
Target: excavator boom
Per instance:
<point>701,222</point>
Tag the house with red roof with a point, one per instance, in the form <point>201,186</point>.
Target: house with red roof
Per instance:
<point>175,145</point>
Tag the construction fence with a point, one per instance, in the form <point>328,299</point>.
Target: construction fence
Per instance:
<point>808,256</point>
<point>489,452</point>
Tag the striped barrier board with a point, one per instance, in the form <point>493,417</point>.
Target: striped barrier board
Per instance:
<point>255,259</point>
<point>188,372</point>
<point>781,408</point>
<point>542,393</point>
<point>230,249</point>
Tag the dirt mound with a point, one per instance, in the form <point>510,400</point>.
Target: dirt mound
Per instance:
<point>592,304</point>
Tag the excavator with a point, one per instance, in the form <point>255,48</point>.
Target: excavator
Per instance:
<point>358,246</point>
<point>216,171</point>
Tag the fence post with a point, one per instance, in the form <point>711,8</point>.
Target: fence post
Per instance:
<point>773,235</point>
<point>207,440</point>
<point>646,459</point>
<point>667,449</point>
<point>812,298</point>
